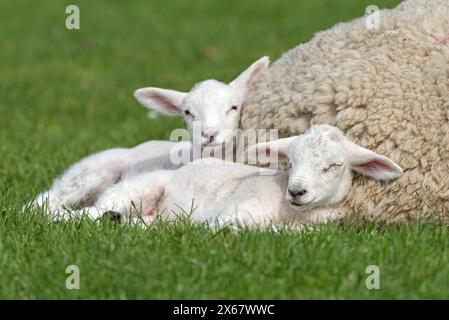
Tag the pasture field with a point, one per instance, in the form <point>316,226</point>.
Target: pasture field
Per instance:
<point>65,94</point>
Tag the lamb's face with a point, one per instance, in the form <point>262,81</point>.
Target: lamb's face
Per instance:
<point>321,163</point>
<point>214,108</point>
<point>212,105</point>
<point>319,172</point>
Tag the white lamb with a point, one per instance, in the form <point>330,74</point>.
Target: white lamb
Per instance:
<point>213,106</point>
<point>227,193</point>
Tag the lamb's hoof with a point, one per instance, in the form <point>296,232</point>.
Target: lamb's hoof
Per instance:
<point>112,216</point>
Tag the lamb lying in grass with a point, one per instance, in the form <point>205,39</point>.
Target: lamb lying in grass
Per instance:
<point>321,164</point>
<point>211,105</point>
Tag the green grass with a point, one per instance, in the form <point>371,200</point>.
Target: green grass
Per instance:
<point>65,94</point>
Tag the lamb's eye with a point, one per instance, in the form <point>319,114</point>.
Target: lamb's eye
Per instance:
<point>187,113</point>
<point>331,167</point>
<point>235,108</point>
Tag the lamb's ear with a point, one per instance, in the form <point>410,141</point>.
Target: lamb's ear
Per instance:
<point>162,100</point>
<point>371,164</point>
<point>246,79</point>
<point>272,151</point>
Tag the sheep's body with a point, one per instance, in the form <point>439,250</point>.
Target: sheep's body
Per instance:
<point>387,89</point>
<point>237,194</point>
<point>83,182</point>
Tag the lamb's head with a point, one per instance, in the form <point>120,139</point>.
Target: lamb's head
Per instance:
<point>321,162</point>
<point>214,106</point>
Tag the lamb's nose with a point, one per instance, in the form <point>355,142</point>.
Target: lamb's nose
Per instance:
<point>297,193</point>
<point>210,135</point>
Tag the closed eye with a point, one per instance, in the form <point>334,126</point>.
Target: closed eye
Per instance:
<point>331,167</point>
<point>234,108</point>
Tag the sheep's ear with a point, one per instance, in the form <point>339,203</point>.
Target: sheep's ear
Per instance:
<point>246,79</point>
<point>266,152</point>
<point>162,100</point>
<point>371,164</point>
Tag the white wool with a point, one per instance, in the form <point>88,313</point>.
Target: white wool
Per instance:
<point>226,193</point>
<point>386,88</point>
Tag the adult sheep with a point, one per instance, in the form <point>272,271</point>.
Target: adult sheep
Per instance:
<point>386,88</point>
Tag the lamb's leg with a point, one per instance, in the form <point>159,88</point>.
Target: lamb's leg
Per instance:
<point>117,217</point>
<point>81,185</point>
<point>137,196</point>
<point>241,212</point>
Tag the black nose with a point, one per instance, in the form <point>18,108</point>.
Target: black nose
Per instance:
<point>297,193</point>
<point>209,136</point>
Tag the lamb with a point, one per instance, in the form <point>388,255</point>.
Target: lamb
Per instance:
<point>84,181</point>
<point>387,89</point>
<point>227,193</point>
<point>212,112</point>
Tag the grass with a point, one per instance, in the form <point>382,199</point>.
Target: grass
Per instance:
<point>65,94</point>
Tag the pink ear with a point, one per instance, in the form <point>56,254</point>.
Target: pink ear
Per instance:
<point>375,165</point>
<point>163,100</point>
<point>247,78</point>
<point>264,150</point>
<point>371,164</point>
